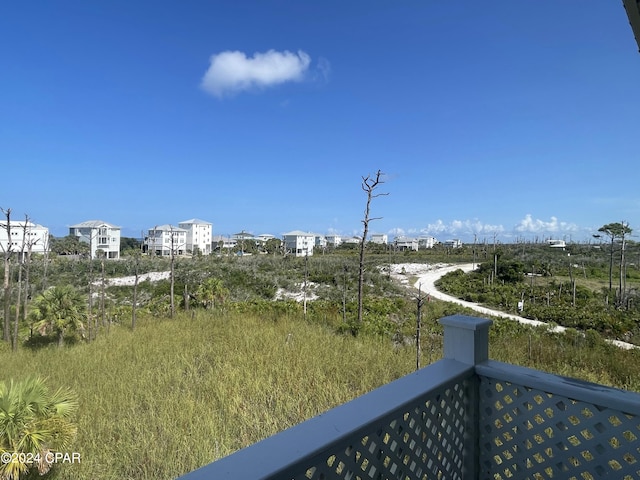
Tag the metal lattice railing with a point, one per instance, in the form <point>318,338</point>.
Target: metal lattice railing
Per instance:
<point>427,441</point>
<point>534,433</point>
<point>415,428</point>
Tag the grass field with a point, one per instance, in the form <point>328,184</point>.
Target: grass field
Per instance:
<point>177,394</point>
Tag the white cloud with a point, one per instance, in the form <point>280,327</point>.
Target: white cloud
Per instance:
<point>529,225</point>
<point>397,232</point>
<point>232,71</point>
<point>461,228</point>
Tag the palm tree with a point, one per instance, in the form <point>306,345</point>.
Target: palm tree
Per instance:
<point>33,421</point>
<point>210,291</point>
<point>59,311</point>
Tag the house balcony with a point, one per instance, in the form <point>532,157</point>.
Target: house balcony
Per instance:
<point>463,417</point>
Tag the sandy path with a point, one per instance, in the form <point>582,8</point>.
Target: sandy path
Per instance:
<point>429,274</point>
<point>129,281</point>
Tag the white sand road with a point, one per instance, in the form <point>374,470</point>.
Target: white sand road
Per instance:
<point>130,281</point>
<point>428,274</point>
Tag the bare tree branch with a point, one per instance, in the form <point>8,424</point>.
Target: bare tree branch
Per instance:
<point>8,251</point>
<point>369,185</point>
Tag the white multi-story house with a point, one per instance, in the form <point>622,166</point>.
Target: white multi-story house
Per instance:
<point>220,242</point>
<point>165,240</point>
<point>455,243</point>
<point>406,243</point>
<point>299,243</point>
<point>25,237</point>
<point>380,238</point>
<point>103,238</point>
<point>199,235</point>
<point>333,240</point>
<point>427,242</point>
<point>352,240</point>
<point>265,237</point>
<point>320,241</point>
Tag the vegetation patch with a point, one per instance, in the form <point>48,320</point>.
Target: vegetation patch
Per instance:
<point>208,360</point>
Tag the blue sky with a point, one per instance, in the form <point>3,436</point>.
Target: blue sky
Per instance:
<point>507,118</point>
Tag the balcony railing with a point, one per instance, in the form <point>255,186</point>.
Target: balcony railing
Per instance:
<point>463,417</point>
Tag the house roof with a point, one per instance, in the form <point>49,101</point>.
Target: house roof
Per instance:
<point>243,235</point>
<point>219,238</point>
<point>196,221</point>
<point>298,233</point>
<point>406,239</point>
<point>93,224</point>
<point>20,224</point>
<point>167,228</point>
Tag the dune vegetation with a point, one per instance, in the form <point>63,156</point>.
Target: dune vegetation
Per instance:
<point>173,394</point>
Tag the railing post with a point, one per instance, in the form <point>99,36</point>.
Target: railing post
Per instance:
<point>466,339</point>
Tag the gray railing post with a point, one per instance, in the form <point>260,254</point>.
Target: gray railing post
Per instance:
<point>466,339</point>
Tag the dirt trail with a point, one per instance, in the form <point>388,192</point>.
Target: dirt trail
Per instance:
<point>429,274</point>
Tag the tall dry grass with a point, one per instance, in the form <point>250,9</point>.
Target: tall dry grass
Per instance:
<point>177,394</point>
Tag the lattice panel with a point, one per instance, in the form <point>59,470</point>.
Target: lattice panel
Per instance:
<point>534,435</point>
<point>423,443</point>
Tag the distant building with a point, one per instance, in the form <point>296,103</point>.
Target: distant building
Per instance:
<point>299,243</point>
<point>165,239</point>
<point>245,241</point>
<point>320,241</point>
<point>240,236</point>
<point>199,235</point>
<point>25,237</point>
<point>101,237</point>
<point>221,242</point>
<point>351,240</point>
<point>406,243</point>
<point>427,242</point>
<point>333,240</point>
<point>379,238</point>
<point>265,237</point>
<point>557,243</point>
<point>455,243</point>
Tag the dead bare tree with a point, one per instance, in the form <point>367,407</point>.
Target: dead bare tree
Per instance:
<point>136,273</point>
<point>92,318</point>
<point>14,336</point>
<point>8,252</point>
<point>173,275</point>
<point>23,260</point>
<point>102,292</point>
<point>305,284</point>
<point>27,285</point>
<point>91,328</point>
<point>369,186</point>
<point>46,246</point>
<point>420,302</point>
<point>174,247</point>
